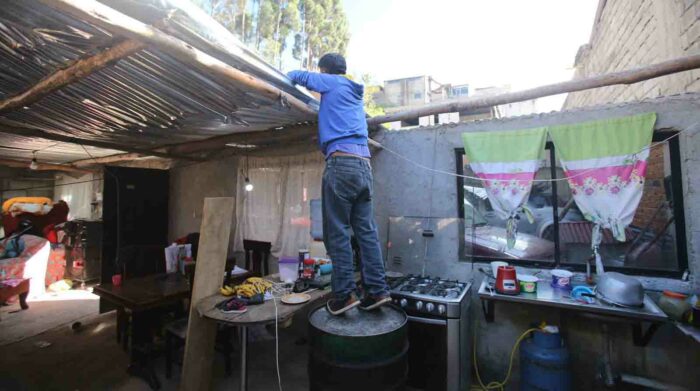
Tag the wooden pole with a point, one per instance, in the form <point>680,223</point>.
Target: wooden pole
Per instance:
<point>44,166</point>
<point>7,126</point>
<point>624,77</point>
<point>293,133</point>
<point>121,24</point>
<point>74,72</point>
<point>122,157</point>
<point>208,277</point>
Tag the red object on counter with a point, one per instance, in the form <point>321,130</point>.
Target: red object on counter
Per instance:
<point>309,269</point>
<point>117,280</point>
<point>507,281</point>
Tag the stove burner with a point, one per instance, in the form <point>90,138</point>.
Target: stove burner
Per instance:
<point>428,286</point>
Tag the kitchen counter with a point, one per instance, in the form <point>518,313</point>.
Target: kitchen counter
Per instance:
<point>550,297</point>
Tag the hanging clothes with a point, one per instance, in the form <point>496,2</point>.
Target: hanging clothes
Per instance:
<point>605,163</point>
<point>506,162</point>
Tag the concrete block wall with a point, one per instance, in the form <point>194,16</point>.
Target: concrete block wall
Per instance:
<point>402,189</point>
<point>190,184</point>
<point>632,33</point>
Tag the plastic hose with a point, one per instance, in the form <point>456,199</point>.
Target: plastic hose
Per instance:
<point>494,385</point>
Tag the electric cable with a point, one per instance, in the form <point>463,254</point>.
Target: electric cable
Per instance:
<point>496,385</point>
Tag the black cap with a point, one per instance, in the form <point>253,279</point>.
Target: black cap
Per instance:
<point>333,63</point>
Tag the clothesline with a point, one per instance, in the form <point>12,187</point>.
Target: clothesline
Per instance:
<point>438,171</point>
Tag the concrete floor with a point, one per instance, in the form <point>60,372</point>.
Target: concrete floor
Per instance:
<point>92,360</point>
<point>46,312</point>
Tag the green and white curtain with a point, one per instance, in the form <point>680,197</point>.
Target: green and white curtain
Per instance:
<point>605,163</point>
<point>506,162</point>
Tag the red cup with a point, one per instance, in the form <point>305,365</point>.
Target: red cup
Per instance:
<point>117,280</point>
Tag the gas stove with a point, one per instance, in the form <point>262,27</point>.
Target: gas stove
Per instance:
<point>438,327</point>
<point>429,296</point>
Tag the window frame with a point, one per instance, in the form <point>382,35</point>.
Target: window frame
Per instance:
<point>678,213</point>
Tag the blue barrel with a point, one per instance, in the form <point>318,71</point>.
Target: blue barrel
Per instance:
<point>545,363</point>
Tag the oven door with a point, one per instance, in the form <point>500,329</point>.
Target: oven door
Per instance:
<point>427,353</point>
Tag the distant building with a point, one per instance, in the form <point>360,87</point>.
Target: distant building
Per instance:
<point>402,94</point>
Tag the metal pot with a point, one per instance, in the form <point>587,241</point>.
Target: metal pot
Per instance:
<point>621,290</point>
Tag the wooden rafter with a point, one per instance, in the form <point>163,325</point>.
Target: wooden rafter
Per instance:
<point>124,25</point>
<point>624,77</point>
<point>16,128</point>
<point>44,166</point>
<point>74,72</point>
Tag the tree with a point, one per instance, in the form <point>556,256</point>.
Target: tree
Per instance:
<point>324,30</point>
<point>371,107</point>
<point>318,26</point>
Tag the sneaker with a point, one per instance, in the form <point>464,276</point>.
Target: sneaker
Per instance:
<point>339,306</point>
<point>371,302</point>
<point>233,306</point>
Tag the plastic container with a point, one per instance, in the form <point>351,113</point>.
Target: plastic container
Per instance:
<point>528,283</point>
<point>288,267</point>
<point>545,363</point>
<point>674,304</point>
<point>561,279</point>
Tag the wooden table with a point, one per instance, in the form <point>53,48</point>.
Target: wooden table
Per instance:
<point>141,295</point>
<point>256,315</point>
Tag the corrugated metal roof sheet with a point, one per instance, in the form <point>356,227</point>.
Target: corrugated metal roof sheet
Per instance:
<point>147,100</point>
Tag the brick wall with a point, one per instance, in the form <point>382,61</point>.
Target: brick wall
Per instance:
<point>632,33</point>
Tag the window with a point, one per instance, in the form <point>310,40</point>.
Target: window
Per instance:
<point>560,236</point>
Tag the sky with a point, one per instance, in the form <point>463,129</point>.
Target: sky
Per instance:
<point>521,43</point>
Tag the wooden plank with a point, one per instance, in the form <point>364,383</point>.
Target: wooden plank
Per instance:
<point>44,166</point>
<point>74,72</point>
<point>209,270</point>
<point>121,24</point>
<point>624,77</point>
<point>12,127</point>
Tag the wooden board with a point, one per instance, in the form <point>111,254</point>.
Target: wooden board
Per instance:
<point>211,262</point>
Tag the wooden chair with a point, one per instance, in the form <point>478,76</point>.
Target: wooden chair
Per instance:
<point>176,331</point>
<point>257,255</point>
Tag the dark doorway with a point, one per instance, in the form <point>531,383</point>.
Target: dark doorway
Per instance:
<point>140,196</point>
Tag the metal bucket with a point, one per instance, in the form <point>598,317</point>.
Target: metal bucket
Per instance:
<point>360,350</point>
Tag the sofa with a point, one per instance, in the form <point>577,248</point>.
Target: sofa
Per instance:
<point>31,264</point>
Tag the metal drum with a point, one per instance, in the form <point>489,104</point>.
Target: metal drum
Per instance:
<point>360,350</point>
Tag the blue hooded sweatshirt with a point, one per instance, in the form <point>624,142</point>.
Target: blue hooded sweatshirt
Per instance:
<point>341,118</point>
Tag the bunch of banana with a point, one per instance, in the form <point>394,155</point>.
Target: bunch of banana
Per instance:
<point>227,290</point>
<point>249,288</point>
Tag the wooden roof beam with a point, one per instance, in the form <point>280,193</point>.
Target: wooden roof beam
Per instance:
<point>44,166</point>
<point>74,72</point>
<point>18,129</point>
<point>124,25</point>
<point>630,76</point>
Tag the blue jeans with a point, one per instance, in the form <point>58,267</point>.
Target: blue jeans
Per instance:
<point>347,203</point>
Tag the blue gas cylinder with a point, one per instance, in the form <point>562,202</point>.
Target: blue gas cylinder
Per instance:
<point>544,362</point>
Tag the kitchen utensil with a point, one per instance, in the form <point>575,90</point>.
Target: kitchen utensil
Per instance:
<point>674,304</point>
<point>528,283</point>
<point>583,294</point>
<point>621,290</point>
<point>507,281</point>
<point>561,279</point>
<point>295,298</point>
<point>326,269</point>
<point>495,265</point>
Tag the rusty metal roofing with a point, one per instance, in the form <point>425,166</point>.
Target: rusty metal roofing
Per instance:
<point>147,100</point>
